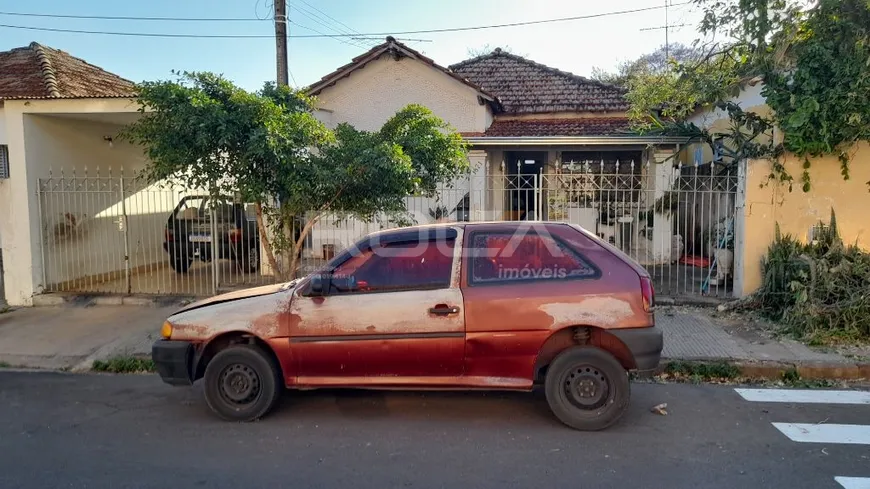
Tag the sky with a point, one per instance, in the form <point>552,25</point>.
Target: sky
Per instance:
<point>576,46</point>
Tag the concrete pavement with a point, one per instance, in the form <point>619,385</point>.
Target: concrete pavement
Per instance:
<point>106,431</point>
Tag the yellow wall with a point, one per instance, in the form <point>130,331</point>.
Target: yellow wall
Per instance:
<point>796,212</point>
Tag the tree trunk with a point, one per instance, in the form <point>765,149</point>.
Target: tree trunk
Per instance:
<point>264,239</point>
<point>297,245</point>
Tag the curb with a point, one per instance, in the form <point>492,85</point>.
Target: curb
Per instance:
<point>776,370</point>
<point>82,300</point>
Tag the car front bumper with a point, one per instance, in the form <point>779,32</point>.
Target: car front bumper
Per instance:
<point>645,344</point>
<point>173,361</point>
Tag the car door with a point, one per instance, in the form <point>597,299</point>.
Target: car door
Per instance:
<point>403,319</point>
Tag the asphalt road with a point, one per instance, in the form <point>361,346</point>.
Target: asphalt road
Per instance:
<point>100,431</point>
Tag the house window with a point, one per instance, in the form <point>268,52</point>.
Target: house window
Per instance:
<point>4,161</point>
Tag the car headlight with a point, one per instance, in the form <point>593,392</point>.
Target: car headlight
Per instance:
<point>166,330</point>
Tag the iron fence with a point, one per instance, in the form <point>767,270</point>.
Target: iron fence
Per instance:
<point>117,234</point>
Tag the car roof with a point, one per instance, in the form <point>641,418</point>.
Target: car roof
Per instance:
<point>462,225</point>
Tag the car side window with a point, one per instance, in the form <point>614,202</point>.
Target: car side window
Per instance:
<point>411,265</point>
<point>504,257</point>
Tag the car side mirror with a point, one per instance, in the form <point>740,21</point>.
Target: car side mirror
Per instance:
<point>318,284</point>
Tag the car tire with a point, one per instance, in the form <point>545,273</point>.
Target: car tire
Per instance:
<point>242,383</point>
<point>180,262</point>
<point>587,388</point>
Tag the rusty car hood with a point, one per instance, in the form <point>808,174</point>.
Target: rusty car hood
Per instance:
<point>239,294</point>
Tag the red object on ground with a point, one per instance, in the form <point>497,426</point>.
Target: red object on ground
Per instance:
<point>695,261</point>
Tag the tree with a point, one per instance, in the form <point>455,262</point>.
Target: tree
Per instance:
<point>813,59</point>
<point>487,49</point>
<point>657,62</point>
<point>268,148</point>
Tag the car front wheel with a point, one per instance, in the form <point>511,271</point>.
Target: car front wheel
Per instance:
<point>587,388</point>
<point>242,383</point>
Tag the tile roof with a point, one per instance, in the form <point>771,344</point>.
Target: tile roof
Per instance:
<point>589,126</point>
<point>397,50</point>
<point>524,86</point>
<point>41,72</point>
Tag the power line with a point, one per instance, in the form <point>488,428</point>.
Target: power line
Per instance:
<point>347,29</point>
<point>337,37</point>
<point>368,34</point>
<point>306,13</point>
<point>113,17</point>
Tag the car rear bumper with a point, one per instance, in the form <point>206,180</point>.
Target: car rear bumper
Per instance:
<point>645,345</point>
<point>173,361</point>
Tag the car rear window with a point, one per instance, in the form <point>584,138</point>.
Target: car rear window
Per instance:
<point>505,257</point>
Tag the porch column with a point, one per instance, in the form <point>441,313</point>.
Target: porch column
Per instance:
<point>477,184</point>
<point>663,227</point>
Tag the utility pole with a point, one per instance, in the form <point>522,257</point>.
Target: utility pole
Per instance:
<point>667,51</point>
<point>281,41</point>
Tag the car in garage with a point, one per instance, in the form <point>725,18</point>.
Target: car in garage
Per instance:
<point>479,306</point>
<point>191,235</point>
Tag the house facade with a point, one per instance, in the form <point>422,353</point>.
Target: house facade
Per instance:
<point>544,145</point>
<point>58,113</point>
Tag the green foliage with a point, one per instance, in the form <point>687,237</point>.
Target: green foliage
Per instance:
<point>657,62</point>
<point>821,95</point>
<point>820,291</point>
<point>124,365</point>
<point>814,61</point>
<point>267,147</point>
<point>5,365</point>
<point>701,371</point>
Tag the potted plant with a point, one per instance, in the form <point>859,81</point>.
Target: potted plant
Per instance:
<point>721,241</point>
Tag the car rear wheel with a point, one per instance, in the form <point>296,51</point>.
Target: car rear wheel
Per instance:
<point>180,262</point>
<point>587,388</point>
<point>242,383</point>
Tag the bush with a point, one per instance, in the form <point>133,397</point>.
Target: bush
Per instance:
<point>819,291</point>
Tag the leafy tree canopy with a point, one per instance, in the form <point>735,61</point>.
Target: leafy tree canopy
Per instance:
<point>814,61</point>
<point>269,148</point>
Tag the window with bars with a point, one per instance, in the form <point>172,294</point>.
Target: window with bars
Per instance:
<point>4,161</point>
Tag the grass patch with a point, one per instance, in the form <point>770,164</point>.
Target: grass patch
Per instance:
<point>792,378</point>
<point>4,310</point>
<point>697,372</point>
<point>124,365</point>
<point>4,365</point>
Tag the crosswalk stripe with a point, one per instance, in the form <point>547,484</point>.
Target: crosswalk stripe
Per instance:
<point>853,482</point>
<point>853,434</point>
<point>806,396</point>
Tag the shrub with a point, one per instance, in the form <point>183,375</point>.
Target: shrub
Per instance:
<point>819,291</point>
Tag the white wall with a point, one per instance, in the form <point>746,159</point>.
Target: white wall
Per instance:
<point>373,94</point>
<point>3,138</point>
<point>82,224</point>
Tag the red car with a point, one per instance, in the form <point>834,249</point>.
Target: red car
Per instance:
<point>506,305</point>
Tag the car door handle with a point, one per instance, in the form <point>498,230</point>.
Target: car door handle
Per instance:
<point>443,310</point>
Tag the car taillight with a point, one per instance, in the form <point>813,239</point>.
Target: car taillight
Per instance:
<point>235,235</point>
<point>646,290</point>
<point>169,235</point>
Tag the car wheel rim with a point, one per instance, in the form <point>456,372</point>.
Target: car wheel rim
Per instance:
<point>239,384</point>
<point>586,387</point>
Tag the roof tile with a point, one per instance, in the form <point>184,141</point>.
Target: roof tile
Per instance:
<point>589,126</point>
<point>37,71</point>
<point>524,86</point>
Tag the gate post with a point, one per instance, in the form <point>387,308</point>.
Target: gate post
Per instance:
<point>739,229</point>
<point>215,269</point>
<point>128,279</point>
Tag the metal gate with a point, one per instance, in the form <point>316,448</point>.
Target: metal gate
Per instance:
<point>117,234</point>
<point>120,235</point>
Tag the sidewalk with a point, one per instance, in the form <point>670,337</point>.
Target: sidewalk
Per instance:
<point>73,336</point>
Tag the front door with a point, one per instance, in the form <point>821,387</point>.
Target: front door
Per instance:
<point>403,318</point>
<point>523,171</point>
